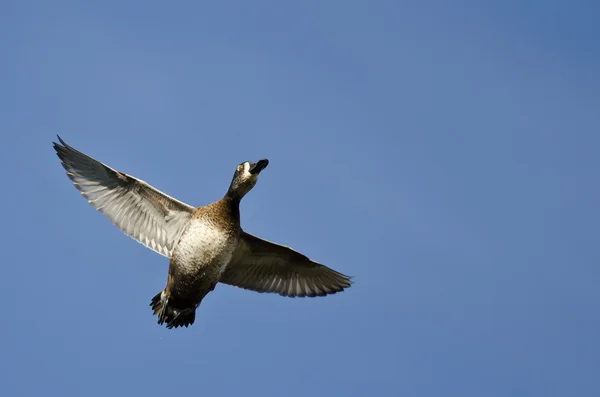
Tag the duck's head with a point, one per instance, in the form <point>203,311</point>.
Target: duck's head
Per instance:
<point>245,177</point>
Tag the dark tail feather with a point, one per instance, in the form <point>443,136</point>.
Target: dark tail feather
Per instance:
<point>171,316</point>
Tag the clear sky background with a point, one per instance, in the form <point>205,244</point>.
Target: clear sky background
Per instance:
<point>445,154</point>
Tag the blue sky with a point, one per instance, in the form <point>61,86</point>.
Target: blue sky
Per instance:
<point>445,154</point>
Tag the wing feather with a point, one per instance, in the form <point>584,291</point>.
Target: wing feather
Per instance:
<point>263,266</point>
<point>144,213</point>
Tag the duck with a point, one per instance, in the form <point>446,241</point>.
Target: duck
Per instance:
<point>206,245</point>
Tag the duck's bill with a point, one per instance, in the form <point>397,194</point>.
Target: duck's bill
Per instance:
<point>257,167</point>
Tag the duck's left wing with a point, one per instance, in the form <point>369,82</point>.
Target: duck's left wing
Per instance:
<point>263,266</point>
<point>141,211</point>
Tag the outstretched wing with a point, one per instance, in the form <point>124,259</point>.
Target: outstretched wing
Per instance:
<point>263,266</point>
<point>141,211</point>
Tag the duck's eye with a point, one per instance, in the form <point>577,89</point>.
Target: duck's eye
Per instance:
<point>240,167</point>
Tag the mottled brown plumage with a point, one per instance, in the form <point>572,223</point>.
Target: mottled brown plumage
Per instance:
<point>206,245</point>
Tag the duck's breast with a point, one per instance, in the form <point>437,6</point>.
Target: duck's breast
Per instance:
<point>205,244</point>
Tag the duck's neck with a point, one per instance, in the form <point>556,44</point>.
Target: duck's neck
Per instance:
<point>233,198</point>
<point>231,205</point>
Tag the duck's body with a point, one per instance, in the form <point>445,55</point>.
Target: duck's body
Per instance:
<point>198,261</point>
<point>206,245</point>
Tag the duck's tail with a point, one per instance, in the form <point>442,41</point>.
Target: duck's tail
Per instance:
<point>170,315</point>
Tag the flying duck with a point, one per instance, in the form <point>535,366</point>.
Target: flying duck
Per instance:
<point>206,245</point>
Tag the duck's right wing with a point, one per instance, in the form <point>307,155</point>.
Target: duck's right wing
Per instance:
<point>141,211</point>
<point>262,266</point>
